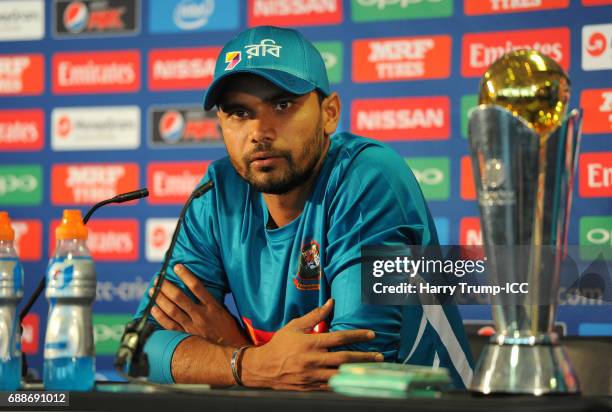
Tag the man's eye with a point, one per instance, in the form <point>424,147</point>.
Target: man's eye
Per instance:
<point>284,105</point>
<point>241,114</point>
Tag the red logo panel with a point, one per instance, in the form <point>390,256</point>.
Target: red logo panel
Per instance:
<point>401,58</point>
<point>173,182</point>
<point>22,74</point>
<point>597,106</point>
<point>595,174</point>
<point>293,13</point>
<point>115,71</point>
<point>28,239</point>
<point>30,334</point>
<point>21,130</point>
<point>108,239</point>
<point>479,50</point>
<point>470,233</point>
<point>410,118</point>
<point>468,188</point>
<point>473,7</point>
<point>182,69</point>
<point>86,184</point>
<point>596,2</point>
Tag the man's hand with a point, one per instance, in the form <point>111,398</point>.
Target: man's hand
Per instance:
<point>297,360</point>
<point>175,310</point>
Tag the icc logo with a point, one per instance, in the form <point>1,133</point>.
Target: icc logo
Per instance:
<point>75,17</point>
<point>171,126</point>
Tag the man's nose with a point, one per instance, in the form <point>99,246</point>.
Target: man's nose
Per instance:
<point>262,128</point>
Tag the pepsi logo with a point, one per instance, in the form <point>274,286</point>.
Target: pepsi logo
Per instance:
<point>596,44</point>
<point>76,16</point>
<point>171,126</point>
<point>64,127</point>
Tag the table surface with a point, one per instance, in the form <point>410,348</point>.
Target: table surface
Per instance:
<point>132,398</point>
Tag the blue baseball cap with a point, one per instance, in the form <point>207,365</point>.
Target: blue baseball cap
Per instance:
<point>282,56</point>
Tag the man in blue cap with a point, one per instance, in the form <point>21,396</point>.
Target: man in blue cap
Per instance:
<point>283,230</point>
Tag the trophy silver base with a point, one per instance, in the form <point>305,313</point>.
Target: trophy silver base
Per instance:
<point>522,366</point>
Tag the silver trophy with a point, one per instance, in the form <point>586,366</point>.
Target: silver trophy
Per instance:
<point>524,151</point>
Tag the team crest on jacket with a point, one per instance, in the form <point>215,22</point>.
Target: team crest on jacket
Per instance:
<point>309,268</point>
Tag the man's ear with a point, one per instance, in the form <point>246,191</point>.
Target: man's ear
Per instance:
<point>331,113</point>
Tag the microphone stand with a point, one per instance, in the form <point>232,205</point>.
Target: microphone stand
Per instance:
<point>138,330</point>
<point>121,198</point>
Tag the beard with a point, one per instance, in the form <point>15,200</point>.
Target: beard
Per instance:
<point>282,179</point>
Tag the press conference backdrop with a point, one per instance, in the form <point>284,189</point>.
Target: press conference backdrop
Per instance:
<point>99,97</point>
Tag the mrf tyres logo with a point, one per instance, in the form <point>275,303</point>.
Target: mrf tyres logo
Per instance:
<point>95,17</point>
<point>21,74</point>
<point>20,185</point>
<point>183,127</point>
<point>379,10</point>
<point>597,47</point>
<point>479,50</point>
<point>597,106</point>
<point>293,12</point>
<point>401,58</point>
<point>410,118</point>
<point>96,72</point>
<point>91,183</point>
<point>475,7</point>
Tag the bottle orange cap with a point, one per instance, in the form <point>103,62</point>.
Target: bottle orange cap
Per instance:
<point>6,230</point>
<point>72,226</point>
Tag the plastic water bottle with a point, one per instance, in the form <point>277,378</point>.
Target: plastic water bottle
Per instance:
<point>11,291</point>
<point>71,289</point>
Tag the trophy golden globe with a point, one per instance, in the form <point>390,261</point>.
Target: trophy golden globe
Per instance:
<point>524,149</point>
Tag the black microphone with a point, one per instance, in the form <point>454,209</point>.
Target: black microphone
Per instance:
<point>137,331</point>
<point>124,197</point>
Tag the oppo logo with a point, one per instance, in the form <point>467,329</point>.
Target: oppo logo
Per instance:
<point>382,4</point>
<point>15,183</point>
<point>104,332</point>
<point>429,176</point>
<point>600,236</point>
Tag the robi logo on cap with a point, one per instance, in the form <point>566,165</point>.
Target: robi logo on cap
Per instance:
<point>75,17</point>
<point>232,58</point>
<point>171,126</point>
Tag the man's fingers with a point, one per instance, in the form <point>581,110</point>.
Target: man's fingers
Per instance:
<point>177,295</point>
<point>164,320</point>
<point>334,359</point>
<point>194,284</point>
<point>170,309</point>
<point>343,337</point>
<point>315,316</point>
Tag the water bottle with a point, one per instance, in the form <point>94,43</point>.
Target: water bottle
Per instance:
<point>11,291</point>
<point>71,289</point>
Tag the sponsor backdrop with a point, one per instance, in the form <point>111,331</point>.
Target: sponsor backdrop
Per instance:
<point>105,96</point>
